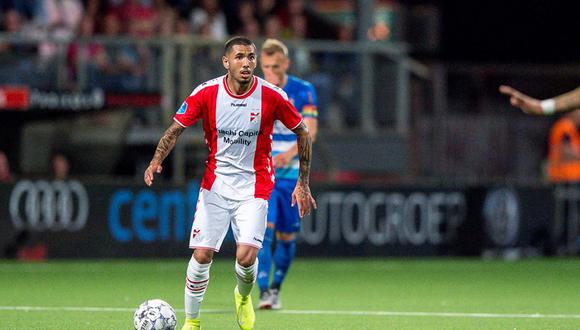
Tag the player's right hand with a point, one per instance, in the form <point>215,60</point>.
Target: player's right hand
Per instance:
<point>520,100</point>
<point>150,171</point>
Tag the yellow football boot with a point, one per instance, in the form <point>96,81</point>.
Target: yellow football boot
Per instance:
<point>191,324</point>
<point>244,311</point>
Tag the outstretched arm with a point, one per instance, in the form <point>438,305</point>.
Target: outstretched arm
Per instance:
<point>561,103</point>
<point>164,147</point>
<point>302,195</point>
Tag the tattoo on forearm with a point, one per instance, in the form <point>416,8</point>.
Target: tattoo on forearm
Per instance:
<point>304,152</point>
<point>167,142</point>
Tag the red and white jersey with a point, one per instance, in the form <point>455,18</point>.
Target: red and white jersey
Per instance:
<point>238,133</point>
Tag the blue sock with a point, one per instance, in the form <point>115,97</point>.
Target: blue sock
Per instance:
<point>283,255</point>
<point>265,260</point>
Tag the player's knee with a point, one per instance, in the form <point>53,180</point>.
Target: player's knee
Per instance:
<point>246,255</point>
<point>246,261</point>
<point>203,256</point>
<point>285,236</point>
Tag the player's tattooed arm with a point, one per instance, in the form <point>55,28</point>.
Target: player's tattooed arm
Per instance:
<point>164,147</point>
<point>301,194</point>
<point>304,142</point>
<point>167,142</point>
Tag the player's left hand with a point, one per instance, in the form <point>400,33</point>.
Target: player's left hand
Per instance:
<point>303,198</point>
<point>282,159</point>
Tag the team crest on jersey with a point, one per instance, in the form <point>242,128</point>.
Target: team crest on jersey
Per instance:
<point>182,109</point>
<point>254,115</point>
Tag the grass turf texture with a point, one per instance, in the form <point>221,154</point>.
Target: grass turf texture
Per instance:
<point>463,286</point>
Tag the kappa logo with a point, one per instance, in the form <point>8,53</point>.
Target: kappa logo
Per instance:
<point>195,232</point>
<point>254,115</point>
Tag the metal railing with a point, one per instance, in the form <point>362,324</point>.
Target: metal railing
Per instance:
<point>363,88</point>
<point>346,75</point>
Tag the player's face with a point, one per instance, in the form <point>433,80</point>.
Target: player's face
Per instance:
<point>240,63</point>
<point>274,67</point>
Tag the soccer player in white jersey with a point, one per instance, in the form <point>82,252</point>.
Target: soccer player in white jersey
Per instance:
<point>238,111</point>
<point>283,218</point>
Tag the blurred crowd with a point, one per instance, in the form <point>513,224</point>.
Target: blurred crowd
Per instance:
<point>149,18</point>
<point>122,67</point>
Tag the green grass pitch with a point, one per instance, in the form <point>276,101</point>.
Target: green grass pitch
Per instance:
<point>318,294</point>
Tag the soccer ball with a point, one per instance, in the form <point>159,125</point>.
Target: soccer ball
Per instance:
<point>154,314</point>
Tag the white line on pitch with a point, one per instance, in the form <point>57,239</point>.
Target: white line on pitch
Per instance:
<point>308,312</point>
<point>434,314</point>
<point>88,309</point>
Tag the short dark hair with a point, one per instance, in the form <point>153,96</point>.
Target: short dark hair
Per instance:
<point>237,40</point>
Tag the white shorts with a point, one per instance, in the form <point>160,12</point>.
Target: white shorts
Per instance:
<point>213,216</point>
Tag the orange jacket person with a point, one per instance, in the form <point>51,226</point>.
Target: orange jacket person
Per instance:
<point>564,153</point>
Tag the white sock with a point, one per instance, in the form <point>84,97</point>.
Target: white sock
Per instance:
<point>196,281</point>
<point>246,277</point>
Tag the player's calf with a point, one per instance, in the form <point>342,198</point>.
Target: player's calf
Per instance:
<point>196,282</point>
<point>265,258</point>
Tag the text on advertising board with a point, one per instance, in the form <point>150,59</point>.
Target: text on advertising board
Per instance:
<point>150,216</point>
<point>385,218</point>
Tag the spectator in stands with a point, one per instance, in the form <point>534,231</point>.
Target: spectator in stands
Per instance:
<point>294,9</point>
<point>380,31</point>
<point>122,67</point>
<point>140,17</point>
<point>59,165</point>
<point>265,9</point>
<point>317,27</point>
<point>112,26</point>
<point>247,24</point>
<point>92,53</point>
<point>182,26</point>
<point>60,20</point>
<point>11,24</point>
<point>209,21</point>
<point>298,27</point>
<point>168,22</point>
<point>16,59</point>
<point>251,29</point>
<point>272,27</point>
<point>5,174</point>
<point>246,12</point>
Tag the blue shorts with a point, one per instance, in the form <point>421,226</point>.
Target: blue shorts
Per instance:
<point>280,211</point>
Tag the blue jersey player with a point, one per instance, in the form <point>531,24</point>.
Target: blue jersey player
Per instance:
<point>283,219</point>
